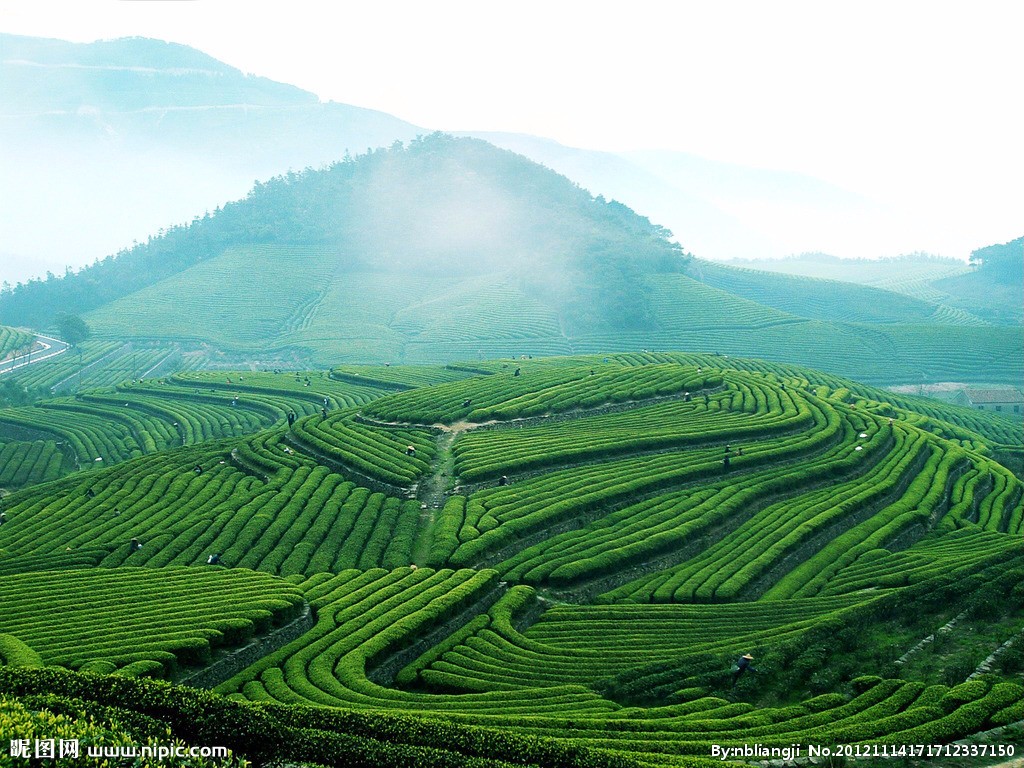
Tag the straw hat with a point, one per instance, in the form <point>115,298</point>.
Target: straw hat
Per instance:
<point>748,656</point>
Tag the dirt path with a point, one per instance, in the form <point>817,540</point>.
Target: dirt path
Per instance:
<point>431,493</point>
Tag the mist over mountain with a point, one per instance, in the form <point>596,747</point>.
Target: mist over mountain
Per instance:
<point>725,210</point>
<point>442,208</point>
<point>111,141</point>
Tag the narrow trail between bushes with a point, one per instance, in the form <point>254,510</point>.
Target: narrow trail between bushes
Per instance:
<point>438,483</point>
<point>431,493</point>
<point>229,662</point>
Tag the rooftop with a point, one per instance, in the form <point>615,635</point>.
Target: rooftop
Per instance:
<point>995,395</point>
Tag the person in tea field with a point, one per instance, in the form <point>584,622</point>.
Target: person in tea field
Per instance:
<point>742,665</point>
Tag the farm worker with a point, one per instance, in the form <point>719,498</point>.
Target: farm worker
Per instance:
<point>739,451</point>
<point>503,480</point>
<point>742,665</point>
<point>91,493</point>
<point>134,545</point>
<point>687,397</point>
<point>3,518</point>
<point>323,414</point>
<point>725,462</point>
<point>466,403</point>
<point>518,371</point>
<point>198,470</point>
<point>410,450</point>
<point>213,559</point>
<point>291,418</point>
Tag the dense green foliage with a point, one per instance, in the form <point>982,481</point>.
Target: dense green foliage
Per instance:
<point>450,249</point>
<point>166,617</point>
<point>379,212</point>
<point>344,739</point>
<point>13,341</point>
<point>578,552</point>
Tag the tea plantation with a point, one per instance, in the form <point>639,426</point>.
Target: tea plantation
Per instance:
<point>13,341</point>
<point>550,562</point>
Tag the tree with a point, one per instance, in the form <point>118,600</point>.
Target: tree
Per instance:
<point>73,329</point>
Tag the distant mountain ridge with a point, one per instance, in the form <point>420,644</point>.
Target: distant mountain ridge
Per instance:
<point>450,249</point>
<point>43,76</point>
<point>114,140</point>
<point>442,208</point>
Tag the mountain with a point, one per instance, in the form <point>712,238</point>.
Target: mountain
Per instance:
<point>993,289</point>
<point>452,249</point>
<point>988,289</point>
<point>446,217</point>
<point>719,210</point>
<point>701,225</point>
<point>111,141</point>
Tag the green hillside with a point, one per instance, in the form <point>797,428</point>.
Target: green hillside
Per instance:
<point>815,298</point>
<point>425,319</point>
<point>13,342</point>
<point>993,288</point>
<point>440,207</point>
<point>450,249</point>
<point>987,290</point>
<point>574,548</point>
<point>912,274</point>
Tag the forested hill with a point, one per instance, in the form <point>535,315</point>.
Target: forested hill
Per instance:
<point>439,207</point>
<point>993,289</point>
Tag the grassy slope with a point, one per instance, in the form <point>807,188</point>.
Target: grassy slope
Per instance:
<point>302,304</point>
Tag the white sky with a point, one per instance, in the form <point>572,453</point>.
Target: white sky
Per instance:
<point>915,104</point>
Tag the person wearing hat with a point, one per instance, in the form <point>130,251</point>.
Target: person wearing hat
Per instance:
<point>742,665</point>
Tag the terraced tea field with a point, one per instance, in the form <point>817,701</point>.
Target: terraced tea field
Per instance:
<point>12,341</point>
<point>569,553</point>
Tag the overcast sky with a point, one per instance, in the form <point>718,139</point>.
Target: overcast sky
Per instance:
<point>916,104</point>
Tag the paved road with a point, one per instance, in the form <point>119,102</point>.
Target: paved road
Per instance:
<point>45,348</point>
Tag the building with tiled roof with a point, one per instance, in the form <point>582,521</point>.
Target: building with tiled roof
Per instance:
<point>1000,399</point>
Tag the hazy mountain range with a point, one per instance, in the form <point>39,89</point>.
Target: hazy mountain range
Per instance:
<point>111,142</point>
